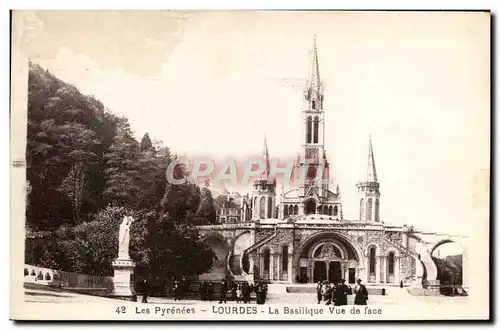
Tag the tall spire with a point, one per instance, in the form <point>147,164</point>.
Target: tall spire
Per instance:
<point>313,89</point>
<point>315,80</point>
<point>371,174</point>
<point>265,153</point>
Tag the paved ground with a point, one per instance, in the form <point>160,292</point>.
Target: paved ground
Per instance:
<point>395,296</point>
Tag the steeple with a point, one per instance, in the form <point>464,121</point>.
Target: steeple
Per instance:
<point>265,153</point>
<point>369,191</point>
<point>314,78</point>
<point>313,92</point>
<point>371,173</point>
<point>264,191</point>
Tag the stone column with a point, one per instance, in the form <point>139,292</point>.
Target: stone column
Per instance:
<point>278,267</point>
<point>262,269</point>
<point>377,269</point>
<point>327,265</point>
<point>346,272</point>
<point>271,267</point>
<point>397,269</point>
<point>383,269</point>
<point>251,266</point>
<point>290,268</point>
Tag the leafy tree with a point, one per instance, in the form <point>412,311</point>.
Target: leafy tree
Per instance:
<point>123,171</point>
<point>146,144</point>
<point>206,215</point>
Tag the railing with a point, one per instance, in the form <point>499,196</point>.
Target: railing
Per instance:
<point>62,279</point>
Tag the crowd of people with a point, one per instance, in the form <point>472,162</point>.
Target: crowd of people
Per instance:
<point>337,293</point>
<point>240,291</point>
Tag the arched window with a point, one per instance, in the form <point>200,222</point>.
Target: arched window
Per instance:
<point>362,209</point>
<point>318,209</point>
<point>269,207</point>
<point>255,204</point>
<point>316,129</point>
<point>267,259</point>
<point>369,207</point>
<point>310,206</point>
<point>390,263</point>
<point>308,129</point>
<point>325,210</point>
<point>285,210</point>
<point>335,210</point>
<point>295,210</point>
<point>377,210</point>
<point>372,260</point>
<point>262,210</point>
<point>314,104</point>
<point>284,258</point>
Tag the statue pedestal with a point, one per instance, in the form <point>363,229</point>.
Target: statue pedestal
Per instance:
<point>122,279</point>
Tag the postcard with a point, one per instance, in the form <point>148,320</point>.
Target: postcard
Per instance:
<point>250,165</point>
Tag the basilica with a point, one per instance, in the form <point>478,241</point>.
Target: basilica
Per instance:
<point>301,235</point>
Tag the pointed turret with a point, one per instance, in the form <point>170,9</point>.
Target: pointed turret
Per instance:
<point>371,173</point>
<point>369,191</point>
<point>265,153</point>
<point>264,190</point>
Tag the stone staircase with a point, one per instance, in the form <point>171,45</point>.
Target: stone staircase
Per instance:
<point>263,241</point>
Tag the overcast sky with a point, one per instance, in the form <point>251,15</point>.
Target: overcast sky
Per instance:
<point>215,83</point>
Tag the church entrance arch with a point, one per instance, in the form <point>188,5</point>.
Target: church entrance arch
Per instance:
<point>331,257</point>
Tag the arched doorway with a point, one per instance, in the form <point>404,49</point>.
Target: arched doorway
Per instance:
<point>329,256</point>
<point>310,206</point>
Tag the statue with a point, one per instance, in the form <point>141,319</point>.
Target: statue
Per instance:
<point>124,238</point>
<point>124,266</point>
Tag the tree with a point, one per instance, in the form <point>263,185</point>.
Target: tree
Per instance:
<point>206,215</point>
<point>146,144</point>
<point>76,142</point>
<point>123,172</point>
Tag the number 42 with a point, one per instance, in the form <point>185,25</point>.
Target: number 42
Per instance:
<point>121,310</point>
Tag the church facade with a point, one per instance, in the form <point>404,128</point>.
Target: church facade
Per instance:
<point>301,235</point>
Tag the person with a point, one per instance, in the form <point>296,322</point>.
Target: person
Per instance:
<point>261,294</point>
<point>401,284</point>
<point>246,292</point>
<point>318,292</point>
<point>177,291</point>
<point>325,290</point>
<point>361,294</point>
<point>341,294</point>
<point>234,287</point>
<point>145,291</point>
<point>239,293</point>
<point>210,291</point>
<point>203,291</point>
<point>223,292</point>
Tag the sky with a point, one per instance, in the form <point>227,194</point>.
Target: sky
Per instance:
<point>213,83</point>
